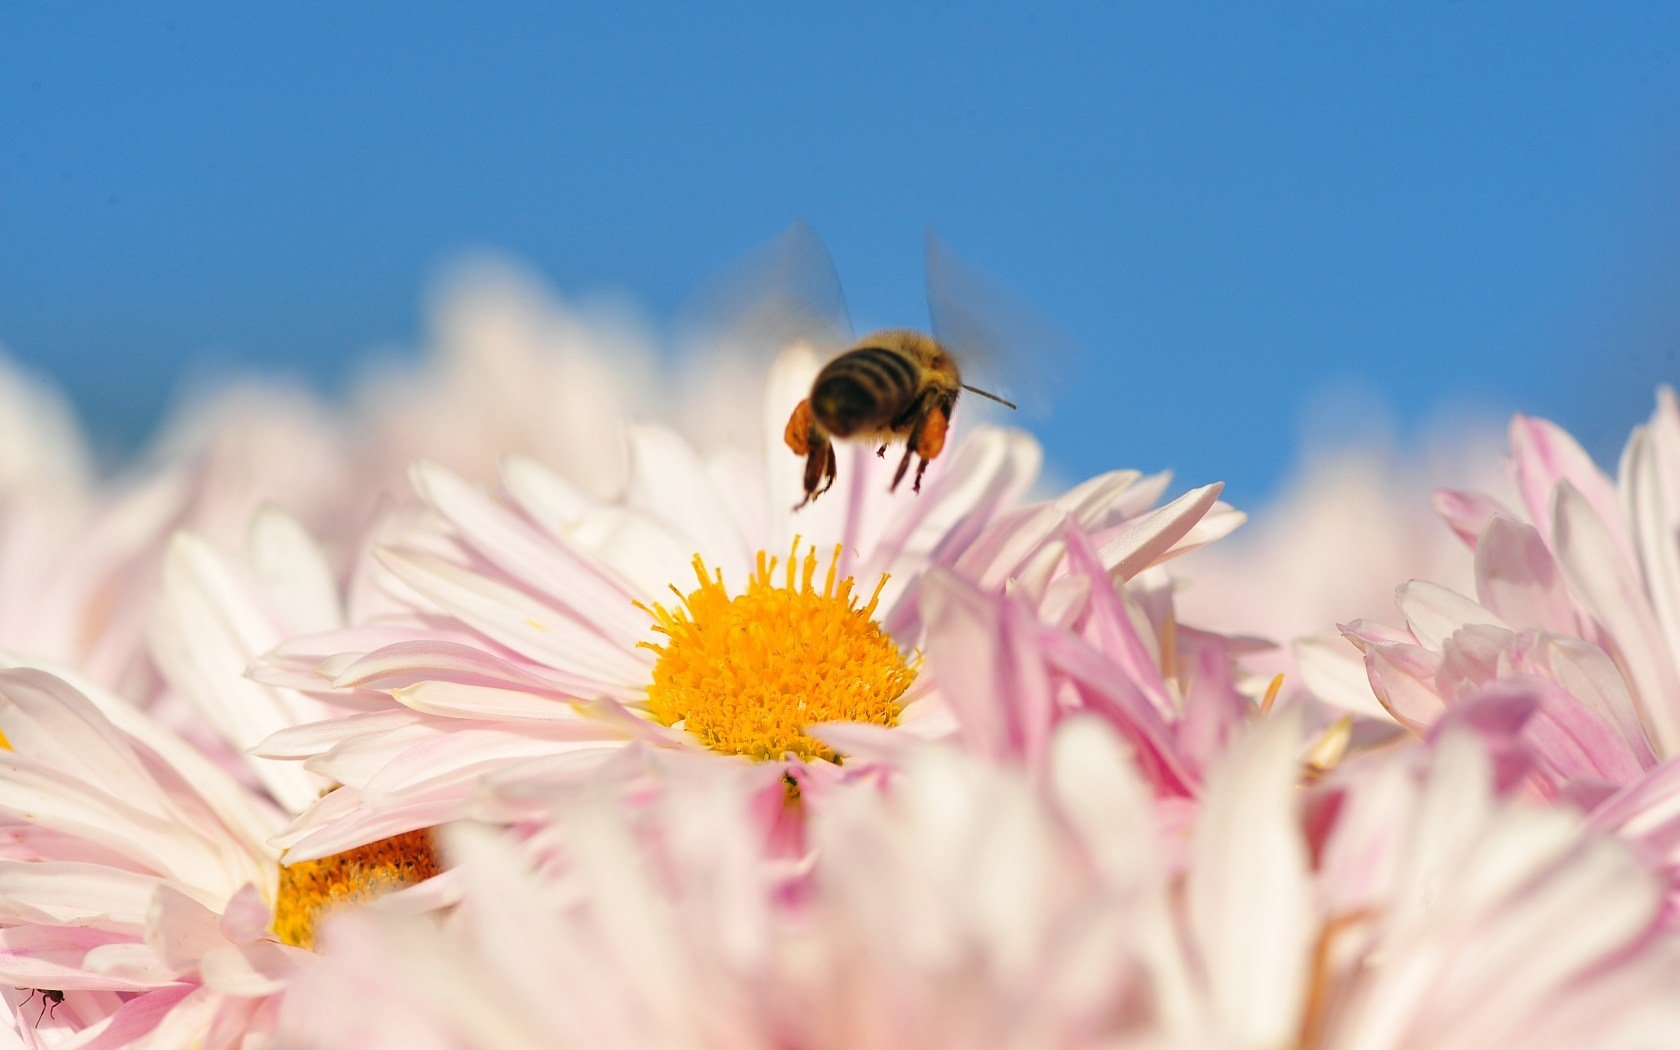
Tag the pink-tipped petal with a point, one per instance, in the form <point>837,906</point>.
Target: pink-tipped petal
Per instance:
<point>1517,578</point>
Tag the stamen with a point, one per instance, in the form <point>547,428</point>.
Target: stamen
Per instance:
<point>311,889</point>
<point>747,674</point>
<point>1327,750</point>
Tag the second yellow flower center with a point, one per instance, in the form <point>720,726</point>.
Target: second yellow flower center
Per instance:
<point>747,674</point>
<point>310,889</point>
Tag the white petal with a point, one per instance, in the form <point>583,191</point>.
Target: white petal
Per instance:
<point>1148,539</point>
<point>550,500</point>
<point>181,930</point>
<point>315,737</point>
<point>76,894</point>
<point>670,480</point>
<point>1095,783</point>
<point>1250,903</point>
<point>1651,488</point>
<point>531,628</point>
<point>1334,671</point>
<point>180,839</point>
<point>207,629</point>
<point>1434,612</point>
<point>1517,578</point>
<point>546,564</point>
<point>1603,580</point>
<point>488,703</point>
<point>990,470</point>
<point>249,970</point>
<point>294,573</point>
<point>1544,456</point>
<point>1010,543</point>
<point>1089,501</point>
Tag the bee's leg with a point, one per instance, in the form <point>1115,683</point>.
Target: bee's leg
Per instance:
<point>903,465</point>
<point>929,440</point>
<point>916,485</point>
<point>830,468</point>
<point>881,453</point>
<point>807,439</point>
<point>819,470</point>
<point>918,415</point>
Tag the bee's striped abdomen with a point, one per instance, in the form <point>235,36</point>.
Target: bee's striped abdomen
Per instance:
<point>864,389</point>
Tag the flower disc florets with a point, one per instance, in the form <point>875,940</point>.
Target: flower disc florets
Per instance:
<point>310,889</point>
<point>747,674</point>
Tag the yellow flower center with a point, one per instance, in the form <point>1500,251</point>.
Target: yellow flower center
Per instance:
<point>310,889</point>
<point>747,674</point>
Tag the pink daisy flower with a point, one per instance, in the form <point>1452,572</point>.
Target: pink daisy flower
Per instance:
<point>538,623</point>
<point>1565,657</point>
<point>1011,665</point>
<point>137,875</point>
<point>507,370</point>
<point>952,910</point>
<point>974,905</point>
<point>80,558</point>
<point>1330,546</point>
<point>80,563</point>
<point>42,450</point>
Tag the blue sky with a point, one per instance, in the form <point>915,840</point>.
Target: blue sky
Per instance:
<point>1238,212</point>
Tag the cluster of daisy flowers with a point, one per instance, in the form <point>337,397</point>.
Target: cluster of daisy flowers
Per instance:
<point>513,706</point>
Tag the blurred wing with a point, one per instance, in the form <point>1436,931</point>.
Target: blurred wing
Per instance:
<point>741,326</point>
<point>1002,344</point>
<point>783,295</point>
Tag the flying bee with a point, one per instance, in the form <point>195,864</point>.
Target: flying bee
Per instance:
<point>893,384</point>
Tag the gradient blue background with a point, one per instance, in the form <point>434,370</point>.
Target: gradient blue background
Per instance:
<point>1456,207</point>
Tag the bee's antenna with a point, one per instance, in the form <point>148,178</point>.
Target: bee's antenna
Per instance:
<point>994,397</point>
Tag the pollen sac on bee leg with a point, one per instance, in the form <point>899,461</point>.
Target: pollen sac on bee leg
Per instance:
<point>799,431</point>
<point>931,441</point>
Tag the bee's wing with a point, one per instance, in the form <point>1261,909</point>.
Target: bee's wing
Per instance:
<point>758,334</point>
<point>785,294</point>
<point>1003,346</point>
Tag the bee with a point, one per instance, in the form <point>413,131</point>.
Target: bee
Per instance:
<point>896,384</point>
<point>890,385</point>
